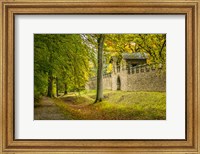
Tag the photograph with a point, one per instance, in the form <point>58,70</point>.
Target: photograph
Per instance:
<point>99,76</point>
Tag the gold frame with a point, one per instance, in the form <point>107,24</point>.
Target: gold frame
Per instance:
<point>190,8</point>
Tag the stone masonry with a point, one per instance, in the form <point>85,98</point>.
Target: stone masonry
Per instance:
<point>128,77</point>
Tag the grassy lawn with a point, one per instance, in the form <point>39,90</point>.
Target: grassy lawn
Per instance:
<point>117,105</point>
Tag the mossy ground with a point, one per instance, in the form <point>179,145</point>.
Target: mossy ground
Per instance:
<point>116,105</point>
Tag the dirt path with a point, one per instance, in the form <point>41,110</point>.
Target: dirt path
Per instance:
<point>72,102</point>
<point>47,110</point>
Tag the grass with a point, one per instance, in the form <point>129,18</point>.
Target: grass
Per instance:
<point>116,105</point>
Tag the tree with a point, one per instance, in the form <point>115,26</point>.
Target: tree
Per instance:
<point>40,67</point>
<point>99,95</point>
<point>61,62</point>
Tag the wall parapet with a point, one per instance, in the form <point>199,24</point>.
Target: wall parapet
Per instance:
<point>143,68</point>
<point>143,77</point>
<point>138,68</point>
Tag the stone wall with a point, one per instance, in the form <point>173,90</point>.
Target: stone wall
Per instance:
<point>138,78</point>
<point>107,83</point>
<point>147,80</point>
<point>91,84</point>
<point>122,77</point>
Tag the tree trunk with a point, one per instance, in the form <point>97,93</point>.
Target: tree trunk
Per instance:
<point>50,84</point>
<point>65,92</point>
<point>57,87</point>
<point>99,95</point>
<point>50,78</point>
<point>163,45</point>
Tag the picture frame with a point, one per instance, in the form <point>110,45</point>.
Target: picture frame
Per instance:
<point>7,94</point>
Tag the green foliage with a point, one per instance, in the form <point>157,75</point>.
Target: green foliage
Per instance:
<point>152,44</point>
<point>62,56</point>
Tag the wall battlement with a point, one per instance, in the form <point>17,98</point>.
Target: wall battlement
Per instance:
<point>138,69</point>
<point>138,78</point>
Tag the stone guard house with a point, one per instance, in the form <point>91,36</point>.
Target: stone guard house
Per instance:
<point>132,73</point>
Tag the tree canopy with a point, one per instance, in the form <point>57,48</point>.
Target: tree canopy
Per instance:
<point>60,57</point>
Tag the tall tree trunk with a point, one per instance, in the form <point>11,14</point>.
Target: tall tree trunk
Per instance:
<point>160,52</point>
<point>50,78</point>
<point>99,95</point>
<point>65,92</point>
<point>57,87</point>
<point>50,84</point>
